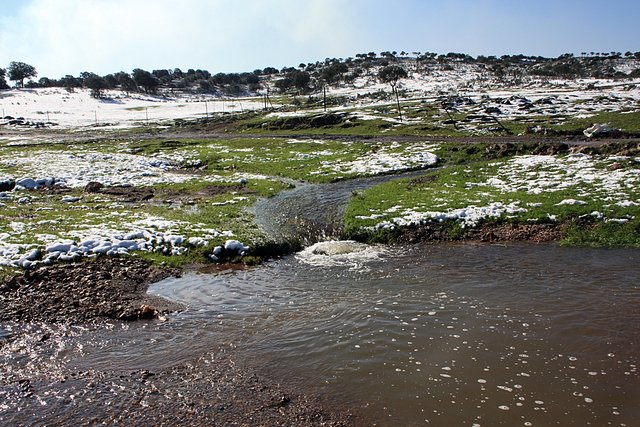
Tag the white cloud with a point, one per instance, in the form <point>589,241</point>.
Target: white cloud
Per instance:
<point>63,37</point>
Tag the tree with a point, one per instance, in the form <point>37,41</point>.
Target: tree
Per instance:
<point>125,81</point>
<point>70,83</point>
<point>112,81</point>
<point>18,71</point>
<point>391,74</point>
<point>294,79</point>
<point>301,80</point>
<point>3,82</point>
<point>96,83</point>
<point>47,82</point>
<point>333,72</point>
<point>147,81</point>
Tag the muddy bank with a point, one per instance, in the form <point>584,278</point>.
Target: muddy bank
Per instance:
<point>48,312</point>
<point>534,233</point>
<point>107,288</point>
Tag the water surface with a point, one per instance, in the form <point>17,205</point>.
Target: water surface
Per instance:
<point>467,334</point>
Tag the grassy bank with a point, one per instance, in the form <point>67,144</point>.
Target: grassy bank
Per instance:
<point>595,198</point>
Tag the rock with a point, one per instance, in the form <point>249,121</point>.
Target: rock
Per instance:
<point>600,130</point>
<point>27,183</point>
<point>93,187</point>
<point>148,312</point>
<point>7,184</point>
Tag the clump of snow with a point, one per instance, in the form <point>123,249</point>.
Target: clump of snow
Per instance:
<point>235,246</point>
<point>71,199</point>
<point>387,159</point>
<point>78,169</point>
<point>571,202</point>
<point>469,216</point>
<point>150,234</point>
<point>230,249</point>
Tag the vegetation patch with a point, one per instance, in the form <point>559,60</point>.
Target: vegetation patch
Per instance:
<point>598,196</point>
<point>162,198</point>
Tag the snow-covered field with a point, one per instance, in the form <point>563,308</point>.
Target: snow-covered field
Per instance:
<point>73,110</point>
<point>54,219</point>
<point>468,88</point>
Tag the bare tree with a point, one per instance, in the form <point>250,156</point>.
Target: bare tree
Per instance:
<point>392,74</point>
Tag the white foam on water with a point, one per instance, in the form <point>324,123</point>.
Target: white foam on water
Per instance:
<point>341,253</point>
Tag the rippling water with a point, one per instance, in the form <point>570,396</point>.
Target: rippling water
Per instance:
<point>446,334</point>
<point>314,212</point>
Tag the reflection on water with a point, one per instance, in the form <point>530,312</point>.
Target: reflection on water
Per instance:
<point>445,334</point>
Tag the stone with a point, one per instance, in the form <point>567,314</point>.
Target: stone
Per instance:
<point>7,184</point>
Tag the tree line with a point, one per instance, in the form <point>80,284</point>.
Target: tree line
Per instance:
<point>313,76</point>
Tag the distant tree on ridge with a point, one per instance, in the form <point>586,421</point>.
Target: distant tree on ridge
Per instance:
<point>94,82</point>
<point>391,74</point>
<point>147,81</point>
<point>3,82</point>
<point>18,71</point>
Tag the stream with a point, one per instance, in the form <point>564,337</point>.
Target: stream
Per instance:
<point>310,213</point>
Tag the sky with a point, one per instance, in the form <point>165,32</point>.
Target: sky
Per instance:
<point>60,37</point>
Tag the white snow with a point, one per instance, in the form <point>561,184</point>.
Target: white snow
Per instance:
<point>147,233</point>
<point>571,202</point>
<point>535,175</point>
<point>468,216</point>
<point>386,159</point>
<point>474,88</point>
<point>78,109</point>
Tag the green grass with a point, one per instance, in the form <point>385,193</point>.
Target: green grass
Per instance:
<point>625,121</point>
<point>223,162</point>
<point>458,187</point>
<point>604,235</point>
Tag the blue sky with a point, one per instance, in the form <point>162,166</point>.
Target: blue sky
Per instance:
<point>63,37</point>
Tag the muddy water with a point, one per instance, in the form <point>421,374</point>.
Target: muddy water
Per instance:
<point>443,335</point>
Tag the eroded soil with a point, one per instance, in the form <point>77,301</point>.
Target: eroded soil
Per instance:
<point>107,288</point>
